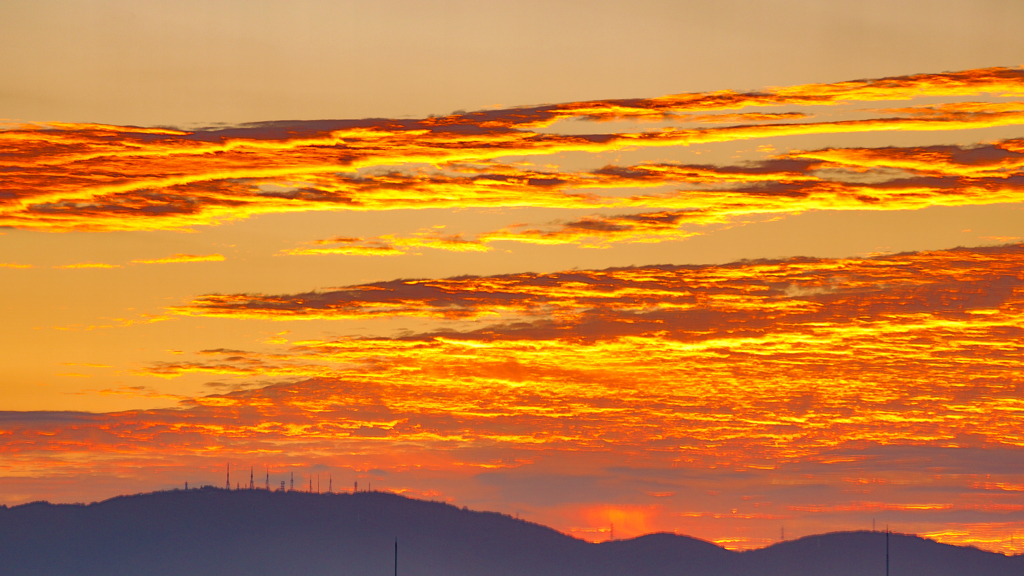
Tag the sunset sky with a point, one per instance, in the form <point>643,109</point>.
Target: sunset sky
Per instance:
<point>706,268</point>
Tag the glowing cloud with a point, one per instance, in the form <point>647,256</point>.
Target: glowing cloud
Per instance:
<point>92,177</point>
<point>81,265</point>
<point>752,366</point>
<point>181,258</point>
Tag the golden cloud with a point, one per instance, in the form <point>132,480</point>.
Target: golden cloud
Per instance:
<point>92,177</point>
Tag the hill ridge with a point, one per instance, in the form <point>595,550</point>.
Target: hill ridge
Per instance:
<point>216,531</point>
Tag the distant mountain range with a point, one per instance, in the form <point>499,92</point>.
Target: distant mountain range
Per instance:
<point>256,532</point>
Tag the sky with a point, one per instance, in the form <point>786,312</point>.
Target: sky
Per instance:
<point>616,268</point>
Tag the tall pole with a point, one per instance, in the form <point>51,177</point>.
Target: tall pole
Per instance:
<point>227,484</point>
<point>396,556</point>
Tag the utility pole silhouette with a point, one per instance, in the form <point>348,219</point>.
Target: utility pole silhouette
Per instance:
<point>268,479</point>
<point>251,485</point>
<point>293,481</point>
<point>355,486</point>
<point>396,556</point>
<point>310,484</point>
<point>227,485</point>
<point>886,550</point>
<point>330,483</point>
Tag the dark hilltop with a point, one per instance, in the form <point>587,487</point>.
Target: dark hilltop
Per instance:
<point>218,532</point>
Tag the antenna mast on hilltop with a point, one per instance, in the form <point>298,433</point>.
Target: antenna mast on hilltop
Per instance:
<point>251,485</point>
<point>268,479</point>
<point>227,485</point>
<point>293,481</point>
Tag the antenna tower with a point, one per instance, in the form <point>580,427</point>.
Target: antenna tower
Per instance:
<point>886,550</point>
<point>330,483</point>
<point>227,485</point>
<point>251,485</point>
<point>293,481</point>
<point>268,479</point>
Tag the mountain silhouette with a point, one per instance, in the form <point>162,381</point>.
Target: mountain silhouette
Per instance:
<point>217,532</point>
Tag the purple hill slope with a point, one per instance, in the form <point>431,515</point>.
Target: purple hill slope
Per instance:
<point>256,532</point>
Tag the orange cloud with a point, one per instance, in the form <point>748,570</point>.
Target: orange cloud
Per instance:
<point>694,385</point>
<point>828,179</point>
<point>1004,537</point>
<point>91,177</point>
<point>912,350</point>
<point>389,245</point>
<point>589,231</point>
<point>1002,81</point>
<point>180,258</point>
<point>89,265</point>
